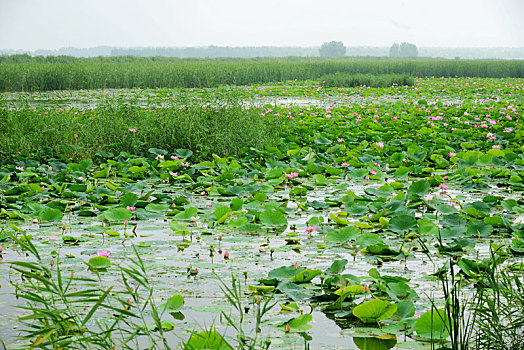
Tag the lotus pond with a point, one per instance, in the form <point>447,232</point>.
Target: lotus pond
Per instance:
<point>367,217</point>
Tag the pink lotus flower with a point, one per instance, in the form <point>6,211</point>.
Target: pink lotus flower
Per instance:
<point>452,204</point>
<point>495,146</point>
<point>226,255</point>
<point>186,164</point>
<point>380,144</point>
<point>132,131</point>
<point>452,154</point>
<point>295,266</point>
<point>209,204</point>
<point>126,222</point>
<point>443,187</point>
<point>287,328</point>
<point>366,289</point>
<point>131,208</point>
<point>102,253</point>
<point>291,175</point>
<point>311,229</point>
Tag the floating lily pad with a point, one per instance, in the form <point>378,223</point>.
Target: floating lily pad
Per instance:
<point>99,263</point>
<point>173,304</point>
<point>343,235</point>
<point>273,218</point>
<point>374,310</point>
<point>297,325</point>
<point>117,214</point>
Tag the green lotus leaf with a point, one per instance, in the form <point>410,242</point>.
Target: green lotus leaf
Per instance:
<point>433,324</point>
<point>305,276</point>
<point>117,214</point>
<point>401,223</point>
<point>99,262</point>
<point>273,218</point>
<point>374,310</point>
<point>342,236</point>
<point>298,324</point>
<point>173,304</point>
<point>419,188</point>
<point>187,214</point>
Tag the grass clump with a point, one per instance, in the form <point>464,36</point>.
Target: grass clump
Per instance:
<point>223,127</point>
<point>66,311</point>
<point>500,301</point>
<point>353,80</point>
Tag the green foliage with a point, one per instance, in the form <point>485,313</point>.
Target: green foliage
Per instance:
<point>273,218</point>
<point>403,50</point>
<point>433,324</point>
<point>133,72</point>
<point>207,340</point>
<point>353,80</point>
<point>332,49</point>
<point>374,310</point>
<point>223,127</point>
<point>498,309</point>
<point>345,175</point>
<point>61,307</point>
<point>297,324</point>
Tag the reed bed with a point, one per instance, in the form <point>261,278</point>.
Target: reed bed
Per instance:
<point>67,73</point>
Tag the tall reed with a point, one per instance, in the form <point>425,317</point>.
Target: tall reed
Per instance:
<point>132,72</point>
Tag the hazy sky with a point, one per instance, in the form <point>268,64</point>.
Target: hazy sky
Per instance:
<point>51,24</point>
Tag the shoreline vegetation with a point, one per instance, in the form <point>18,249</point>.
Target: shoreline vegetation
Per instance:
<point>23,73</point>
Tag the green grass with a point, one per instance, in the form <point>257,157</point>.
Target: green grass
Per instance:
<point>353,80</point>
<point>222,127</point>
<point>67,73</point>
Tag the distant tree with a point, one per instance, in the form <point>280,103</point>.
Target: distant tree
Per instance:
<point>394,50</point>
<point>408,50</point>
<point>403,50</point>
<point>332,49</point>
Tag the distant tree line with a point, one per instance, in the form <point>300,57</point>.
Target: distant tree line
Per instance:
<point>403,50</point>
<point>273,51</point>
<point>332,49</point>
<point>216,51</point>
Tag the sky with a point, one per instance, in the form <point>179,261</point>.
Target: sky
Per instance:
<point>52,24</point>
